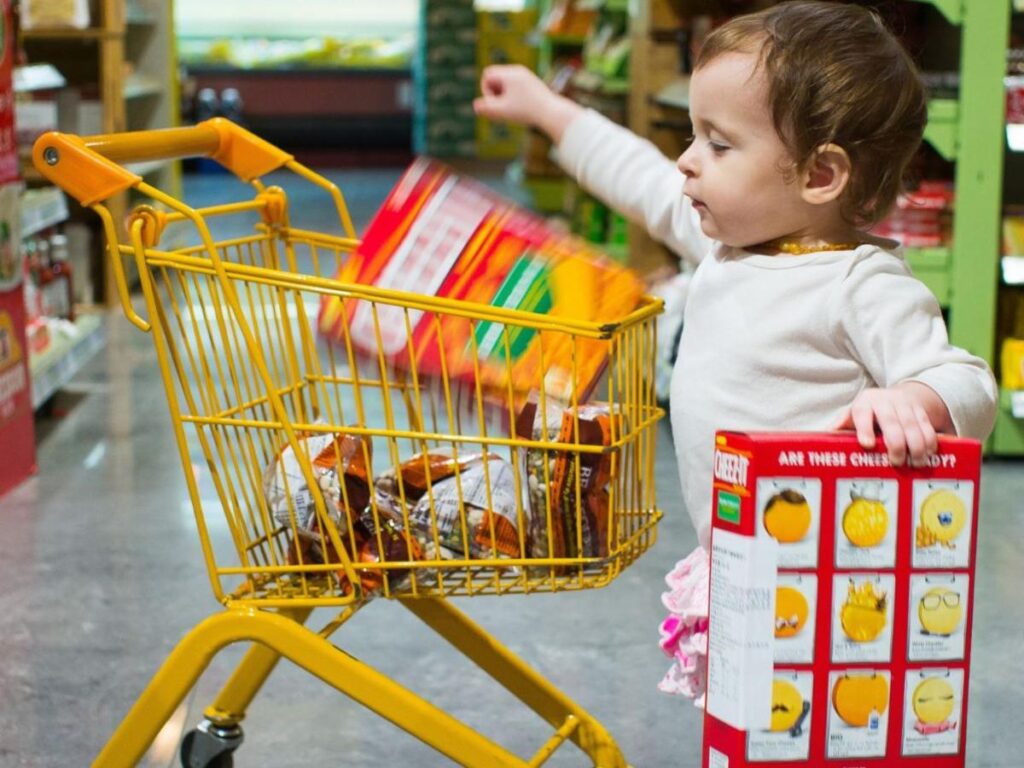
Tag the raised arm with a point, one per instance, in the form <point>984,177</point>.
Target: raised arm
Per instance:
<point>624,171</point>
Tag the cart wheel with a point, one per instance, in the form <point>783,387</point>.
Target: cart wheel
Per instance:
<point>210,746</point>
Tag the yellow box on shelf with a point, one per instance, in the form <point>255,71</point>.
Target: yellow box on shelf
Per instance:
<point>506,24</point>
<point>497,141</point>
<point>1012,363</point>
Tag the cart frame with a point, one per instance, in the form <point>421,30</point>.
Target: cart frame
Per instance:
<point>275,589</point>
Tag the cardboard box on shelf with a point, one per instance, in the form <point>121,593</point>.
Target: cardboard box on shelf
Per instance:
<point>507,24</point>
<point>54,13</point>
<point>17,430</point>
<point>841,603</point>
<point>496,141</point>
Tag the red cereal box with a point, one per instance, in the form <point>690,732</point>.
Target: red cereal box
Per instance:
<point>841,603</point>
<point>442,235</point>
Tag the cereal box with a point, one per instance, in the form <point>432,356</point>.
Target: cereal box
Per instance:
<point>841,603</point>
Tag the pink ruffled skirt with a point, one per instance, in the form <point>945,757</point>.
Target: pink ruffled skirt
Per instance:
<point>684,632</point>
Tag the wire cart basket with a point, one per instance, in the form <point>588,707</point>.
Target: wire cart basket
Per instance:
<point>344,474</point>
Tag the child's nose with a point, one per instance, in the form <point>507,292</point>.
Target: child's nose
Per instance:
<point>686,164</point>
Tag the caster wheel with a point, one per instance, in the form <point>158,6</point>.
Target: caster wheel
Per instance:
<point>210,746</point>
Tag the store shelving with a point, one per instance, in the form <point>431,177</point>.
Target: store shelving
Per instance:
<point>41,209</point>
<point>969,131</point>
<point>966,131</point>
<point>72,345</point>
<point>127,56</point>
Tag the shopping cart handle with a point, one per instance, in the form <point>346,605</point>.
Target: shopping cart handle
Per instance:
<point>91,168</point>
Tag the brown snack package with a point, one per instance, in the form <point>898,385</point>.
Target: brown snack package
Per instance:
<point>395,545</point>
<point>339,465</point>
<point>465,505</point>
<point>578,527</point>
<point>473,512</point>
<point>414,476</point>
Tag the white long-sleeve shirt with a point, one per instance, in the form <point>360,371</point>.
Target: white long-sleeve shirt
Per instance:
<point>775,342</point>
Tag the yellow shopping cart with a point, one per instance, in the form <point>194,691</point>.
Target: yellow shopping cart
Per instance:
<point>343,475</point>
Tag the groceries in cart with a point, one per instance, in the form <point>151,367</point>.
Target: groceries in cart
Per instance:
<point>339,464</point>
<point>564,523</point>
<point>458,507</point>
<point>451,239</point>
<point>437,507</point>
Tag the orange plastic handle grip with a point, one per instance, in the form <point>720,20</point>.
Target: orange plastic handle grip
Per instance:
<point>90,168</point>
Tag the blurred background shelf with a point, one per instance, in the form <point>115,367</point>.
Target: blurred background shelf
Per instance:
<point>71,346</point>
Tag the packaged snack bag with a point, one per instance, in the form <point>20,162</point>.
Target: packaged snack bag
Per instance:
<point>391,545</point>
<point>466,506</point>
<point>339,465</point>
<point>578,524</point>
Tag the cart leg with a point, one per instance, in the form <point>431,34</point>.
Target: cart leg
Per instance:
<point>231,704</point>
<point>317,656</point>
<point>519,679</point>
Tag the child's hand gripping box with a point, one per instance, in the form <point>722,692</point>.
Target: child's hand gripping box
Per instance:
<point>841,603</point>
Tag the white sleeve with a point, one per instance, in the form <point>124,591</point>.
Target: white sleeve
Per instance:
<point>632,176</point>
<point>895,328</point>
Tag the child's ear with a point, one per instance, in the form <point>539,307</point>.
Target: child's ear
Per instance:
<point>827,175</point>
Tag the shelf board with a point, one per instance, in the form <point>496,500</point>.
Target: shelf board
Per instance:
<point>137,86</point>
<point>575,41</point>
<point>592,82</point>
<point>1012,269</point>
<point>941,130</point>
<point>675,94</point>
<point>56,365</point>
<point>69,33</point>
<point>37,77</point>
<point>1008,436</point>
<point>42,208</point>
<point>932,267</point>
<point>1012,400</point>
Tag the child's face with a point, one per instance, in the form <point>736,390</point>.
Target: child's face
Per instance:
<point>739,174</point>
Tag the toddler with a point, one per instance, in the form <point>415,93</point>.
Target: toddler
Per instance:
<point>805,117</point>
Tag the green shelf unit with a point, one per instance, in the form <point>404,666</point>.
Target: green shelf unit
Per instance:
<point>931,267</point>
<point>547,195</point>
<point>1008,436</point>
<point>941,131</point>
<point>974,266</point>
<point>969,131</point>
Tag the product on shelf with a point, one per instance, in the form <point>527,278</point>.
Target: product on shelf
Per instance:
<point>922,218</point>
<point>54,13</point>
<point>1012,363</point>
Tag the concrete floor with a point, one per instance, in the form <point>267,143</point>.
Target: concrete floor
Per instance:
<point>102,575</point>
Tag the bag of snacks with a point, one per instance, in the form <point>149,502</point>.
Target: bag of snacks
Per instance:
<point>564,523</point>
<point>385,543</point>
<point>339,466</point>
<point>467,506</point>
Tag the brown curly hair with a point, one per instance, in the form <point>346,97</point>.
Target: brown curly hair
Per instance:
<point>836,75</point>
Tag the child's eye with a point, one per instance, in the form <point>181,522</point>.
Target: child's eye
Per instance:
<point>717,147</point>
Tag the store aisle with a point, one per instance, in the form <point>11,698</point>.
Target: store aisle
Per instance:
<point>102,573</point>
